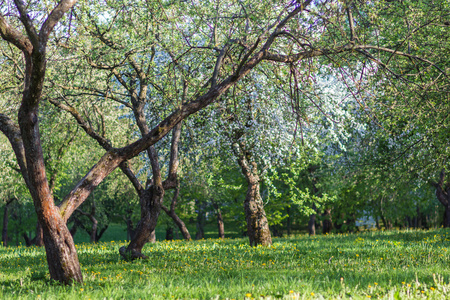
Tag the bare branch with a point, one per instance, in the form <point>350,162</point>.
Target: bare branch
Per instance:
<point>26,21</point>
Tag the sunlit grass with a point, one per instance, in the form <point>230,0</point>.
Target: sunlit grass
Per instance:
<point>407,264</point>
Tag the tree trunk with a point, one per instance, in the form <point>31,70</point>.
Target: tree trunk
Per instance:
<point>312,222</point>
<point>5,226</point>
<point>180,224</point>
<point>200,234</point>
<point>257,223</point>
<point>220,225</point>
<point>288,221</point>
<point>443,196</point>
<point>129,224</point>
<point>62,256</point>
<point>150,210</point>
<point>327,223</point>
<point>39,239</point>
<point>176,219</point>
<point>446,221</point>
<point>169,233</point>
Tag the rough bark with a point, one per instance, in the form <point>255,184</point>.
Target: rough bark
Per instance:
<point>257,224</point>
<point>61,253</point>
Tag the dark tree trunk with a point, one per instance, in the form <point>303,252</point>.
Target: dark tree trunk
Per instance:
<point>446,221</point>
<point>327,222</point>
<point>200,234</point>
<point>150,210</point>
<point>312,221</point>
<point>5,226</point>
<point>312,217</point>
<point>93,235</point>
<point>130,228</point>
<point>387,223</point>
<point>5,238</point>
<point>39,239</point>
<point>169,234</point>
<point>288,223</point>
<point>408,221</point>
<point>443,196</point>
<point>93,231</point>
<point>220,225</point>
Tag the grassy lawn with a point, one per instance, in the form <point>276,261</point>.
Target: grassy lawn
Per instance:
<point>392,265</point>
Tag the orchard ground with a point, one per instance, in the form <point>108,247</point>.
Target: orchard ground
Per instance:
<point>387,265</point>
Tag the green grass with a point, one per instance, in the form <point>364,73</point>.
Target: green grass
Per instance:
<point>391,265</point>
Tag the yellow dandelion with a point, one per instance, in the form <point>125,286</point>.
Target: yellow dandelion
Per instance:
<point>248,295</point>
<point>312,294</point>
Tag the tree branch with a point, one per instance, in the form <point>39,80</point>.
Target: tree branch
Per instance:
<point>14,37</point>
